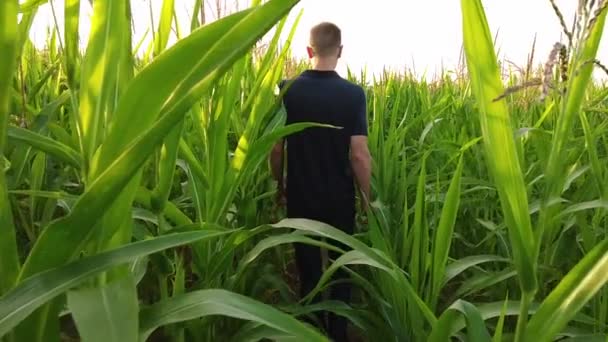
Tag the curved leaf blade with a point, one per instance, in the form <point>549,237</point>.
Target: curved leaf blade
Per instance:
<point>46,145</point>
<point>499,144</point>
<point>9,257</point>
<point>443,236</point>
<point>122,158</point>
<point>108,313</point>
<point>221,302</point>
<point>476,329</point>
<point>570,295</point>
<point>35,291</point>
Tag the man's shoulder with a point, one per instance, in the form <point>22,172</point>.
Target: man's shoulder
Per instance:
<point>289,82</point>
<point>353,89</point>
<point>345,84</point>
<point>352,86</point>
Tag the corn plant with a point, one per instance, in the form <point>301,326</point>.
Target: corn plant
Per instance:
<point>108,98</point>
<point>505,168</point>
<point>489,213</point>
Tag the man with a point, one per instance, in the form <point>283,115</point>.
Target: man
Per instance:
<point>321,162</point>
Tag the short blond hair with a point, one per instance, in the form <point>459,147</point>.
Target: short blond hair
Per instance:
<point>325,39</point>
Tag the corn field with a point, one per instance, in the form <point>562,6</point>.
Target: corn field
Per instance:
<point>136,202</point>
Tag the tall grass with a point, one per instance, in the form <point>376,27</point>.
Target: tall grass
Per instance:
<point>136,203</point>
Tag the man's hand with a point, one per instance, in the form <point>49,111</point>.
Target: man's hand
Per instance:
<point>281,198</point>
<point>276,209</point>
<point>364,204</point>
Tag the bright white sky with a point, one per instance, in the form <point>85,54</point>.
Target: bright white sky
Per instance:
<point>421,35</point>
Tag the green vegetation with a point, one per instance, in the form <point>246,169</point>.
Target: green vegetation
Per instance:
<point>136,203</point>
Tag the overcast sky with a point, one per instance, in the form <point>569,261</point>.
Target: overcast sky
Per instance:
<point>422,35</point>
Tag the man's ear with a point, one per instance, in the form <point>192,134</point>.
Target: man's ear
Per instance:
<point>311,52</point>
<point>340,51</point>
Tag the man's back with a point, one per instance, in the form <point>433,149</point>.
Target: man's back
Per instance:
<point>319,175</point>
<point>323,163</point>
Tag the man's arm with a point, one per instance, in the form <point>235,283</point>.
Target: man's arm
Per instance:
<point>276,155</point>
<point>361,163</point>
<point>360,157</point>
<point>276,168</point>
<point>276,161</point>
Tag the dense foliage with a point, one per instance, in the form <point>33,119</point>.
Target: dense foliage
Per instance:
<point>136,202</point>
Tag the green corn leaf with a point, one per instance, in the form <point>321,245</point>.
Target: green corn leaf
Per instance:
<point>30,5</point>
<point>373,257</point>
<point>45,144</point>
<point>122,155</point>
<point>118,216</point>
<point>164,27</point>
<point>581,72</point>
<point>8,41</point>
<point>50,72</point>
<point>221,302</point>
<point>581,337</point>
<point>419,230</point>
<point>193,82</point>
<point>509,308</point>
<point>501,323</point>
<point>223,260</point>
<point>72,18</point>
<point>370,324</point>
<point>217,129</point>
<point>443,235</point>
<point>595,204</point>
<point>348,259</point>
<point>61,135</point>
<point>274,241</point>
<point>173,213</point>
<point>108,313</point>
<point>9,258</point>
<point>458,266</point>
<point>59,195</point>
<point>118,172</point>
<point>199,9</point>
<point>37,290</point>
<point>256,332</point>
<point>570,295</point>
<point>138,108</point>
<point>197,190</point>
<point>195,166</point>
<point>262,92</point>
<point>25,26</point>
<point>62,199</point>
<point>591,141</point>
<point>256,155</point>
<point>556,167</point>
<point>574,176</point>
<point>476,329</point>
<point>37,182</point>
<point>477,283</point>
<point>166,168</point>
<point>99,73</point>
<point>18,164</point>
<point>126,62</point>
<point>499,144</point>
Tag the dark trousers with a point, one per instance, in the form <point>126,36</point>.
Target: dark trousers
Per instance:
<point>309,262</point>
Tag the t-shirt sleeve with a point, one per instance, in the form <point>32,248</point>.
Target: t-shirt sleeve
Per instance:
<point>359,126</point>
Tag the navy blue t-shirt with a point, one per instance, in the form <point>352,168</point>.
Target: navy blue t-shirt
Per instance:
<point>319,175</point>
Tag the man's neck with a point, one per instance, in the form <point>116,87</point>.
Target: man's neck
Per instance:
<point>324,65</point>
